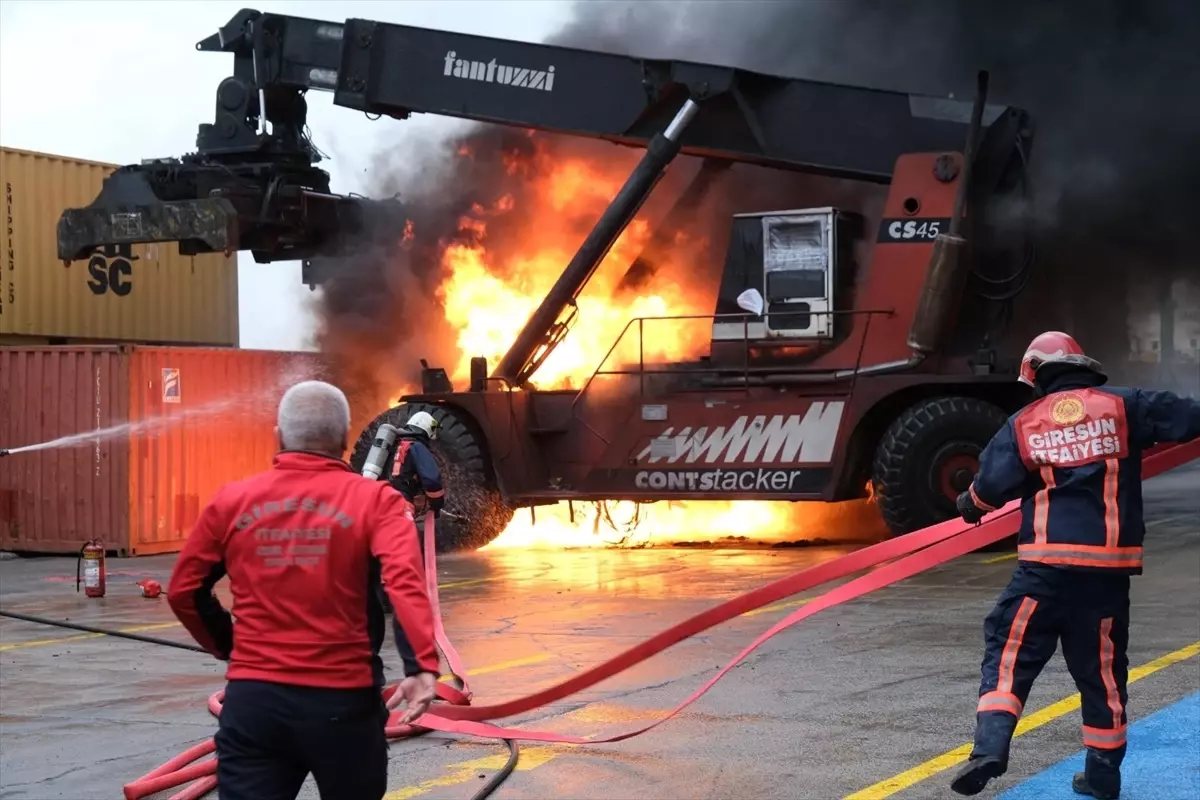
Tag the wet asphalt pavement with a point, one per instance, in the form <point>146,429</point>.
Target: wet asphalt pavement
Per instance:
<point>853,697</point>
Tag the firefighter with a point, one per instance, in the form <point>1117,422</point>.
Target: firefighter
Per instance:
<point>305,544</point>
<point>415,472</point>
<point>1074,458</point>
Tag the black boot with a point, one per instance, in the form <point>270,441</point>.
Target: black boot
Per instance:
<point>975,775</point>
<point>1081,786</point>
<point>989,758</point>
<point>1101,776</point>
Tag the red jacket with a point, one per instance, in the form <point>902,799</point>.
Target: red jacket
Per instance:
<point>305,545</point>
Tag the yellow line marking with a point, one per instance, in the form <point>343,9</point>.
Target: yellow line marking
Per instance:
<point>135,629</point>
<point>778,607</point>
<point>958,755</point>
<point>1165,520</point>
<point>1151,524</point>
<point>614,714</point>
<point>503,665</point>
<point>515,577</point>
<point>471,582</point>
<point>162,625</point>
<point>1011,557</point>
<point>465,771</point>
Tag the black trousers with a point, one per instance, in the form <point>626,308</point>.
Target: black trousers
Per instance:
<point>1089,613</point>
<point>384,600</point>
<point>270,736</point>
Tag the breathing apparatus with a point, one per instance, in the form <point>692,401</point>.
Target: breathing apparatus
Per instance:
<point>381,450</point>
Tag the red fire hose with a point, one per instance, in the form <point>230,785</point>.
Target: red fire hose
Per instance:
<point>909,555</point>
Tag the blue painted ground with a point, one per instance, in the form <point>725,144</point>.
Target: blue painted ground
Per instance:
<point>1163,762</point>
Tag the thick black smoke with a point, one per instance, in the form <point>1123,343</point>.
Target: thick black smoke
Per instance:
<point>1110,82</point>
<point>1114,175</point>
<point>380,312</point>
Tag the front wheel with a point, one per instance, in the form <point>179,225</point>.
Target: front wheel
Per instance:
<point>475,513</point>
<point>929,456</point>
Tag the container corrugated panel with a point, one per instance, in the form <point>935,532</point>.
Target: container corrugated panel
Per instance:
<point>149,293</point>
<point>201,418</point>
<point>188,421</point>
<point>54,500</point>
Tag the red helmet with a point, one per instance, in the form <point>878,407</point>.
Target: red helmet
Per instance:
<point>1053,347</point>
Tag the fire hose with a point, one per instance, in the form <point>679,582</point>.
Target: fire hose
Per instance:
<point>886,563</point>
<point>445,692</point>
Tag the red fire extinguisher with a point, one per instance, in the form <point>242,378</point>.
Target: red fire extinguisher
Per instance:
<point>90,569</point>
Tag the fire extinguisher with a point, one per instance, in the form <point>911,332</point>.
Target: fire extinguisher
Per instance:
<point>90,569</point>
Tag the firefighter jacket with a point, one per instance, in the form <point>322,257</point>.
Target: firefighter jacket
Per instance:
<point>305,544</point>
<point>415,471</point>
<point>1074,457</point>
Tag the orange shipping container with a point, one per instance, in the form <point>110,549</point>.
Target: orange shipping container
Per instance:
<point>147,293</point>
<point>180,423</point>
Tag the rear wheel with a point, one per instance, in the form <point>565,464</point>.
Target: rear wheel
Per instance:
<point>475,513</point>
<point>928,456</point>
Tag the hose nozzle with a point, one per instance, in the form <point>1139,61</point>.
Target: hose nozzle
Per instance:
<point>4,453</point>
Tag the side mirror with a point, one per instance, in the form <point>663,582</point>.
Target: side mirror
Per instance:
<point>750,300</point>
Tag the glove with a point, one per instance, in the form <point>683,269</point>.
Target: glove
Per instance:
<point>436,504</point>
<point>968,510</point>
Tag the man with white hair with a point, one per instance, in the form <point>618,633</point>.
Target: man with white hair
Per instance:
<point>304,544</point>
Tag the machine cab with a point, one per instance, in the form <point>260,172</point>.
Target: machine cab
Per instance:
<point>781,275</point>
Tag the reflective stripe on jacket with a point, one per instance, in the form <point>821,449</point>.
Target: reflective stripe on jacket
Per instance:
<point>415,471</point>
<point>1074,457</point>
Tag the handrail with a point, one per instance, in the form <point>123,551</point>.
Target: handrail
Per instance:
<point>745,319</point>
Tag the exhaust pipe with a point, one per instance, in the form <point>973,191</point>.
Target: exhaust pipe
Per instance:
<point>946,276</point>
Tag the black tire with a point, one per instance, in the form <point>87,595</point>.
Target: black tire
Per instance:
<point>480,514</point>
<point>928,456</point>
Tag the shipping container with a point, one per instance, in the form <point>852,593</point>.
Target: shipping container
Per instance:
<point>159,431</point>
<point>144,293</point>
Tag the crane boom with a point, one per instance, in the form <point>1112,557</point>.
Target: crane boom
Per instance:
<point>250,188</point>
<point>822,128</point>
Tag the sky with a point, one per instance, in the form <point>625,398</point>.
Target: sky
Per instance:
<point>122,81</point>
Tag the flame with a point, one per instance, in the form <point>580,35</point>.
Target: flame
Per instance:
<point>490,291</point>
<point>507,256</point>
<point>625,524</point>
